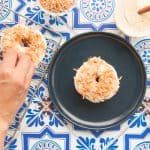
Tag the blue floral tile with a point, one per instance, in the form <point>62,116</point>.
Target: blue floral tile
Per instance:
<point>91,143</point>
<point>58,21</point>
<point>42,17</point>
<point>42,112</point>
<point>97,10</point>
<point>77,23</point>
<point>12,141</point>
<point>52,46</point>
<point>139,120</point>
<point>139,140</point>
<point>105,141</point>
<point>4,12</point>
<point>85,143</point>
<point>35,14</point>
<point>46,144</point>
<point>45,139</point>
<point>6,16</point>
<point>143,48</point>
<point>94,15</point>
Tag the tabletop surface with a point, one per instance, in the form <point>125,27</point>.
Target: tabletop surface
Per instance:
<point>38,125</point>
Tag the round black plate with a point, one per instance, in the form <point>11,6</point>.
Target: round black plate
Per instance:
<point>115,51</point>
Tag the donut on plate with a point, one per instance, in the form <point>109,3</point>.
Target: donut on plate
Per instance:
<point>96,80</point>
<point>26,40</point>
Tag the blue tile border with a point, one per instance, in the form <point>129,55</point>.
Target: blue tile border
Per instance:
<point>39,135</point>
<point>16,17</point>
<point>128,137</point>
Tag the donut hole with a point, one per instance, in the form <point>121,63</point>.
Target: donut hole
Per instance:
<point>25,42</point>
<point>97,79</point>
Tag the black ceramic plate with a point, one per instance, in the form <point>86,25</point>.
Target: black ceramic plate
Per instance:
<point>115,51</point>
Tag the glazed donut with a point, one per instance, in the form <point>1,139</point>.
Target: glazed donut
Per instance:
<point>26,40</point>
<point>96,80</point>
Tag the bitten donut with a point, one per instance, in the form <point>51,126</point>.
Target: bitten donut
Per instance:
<point>26,40</point>
<point>96,80</point>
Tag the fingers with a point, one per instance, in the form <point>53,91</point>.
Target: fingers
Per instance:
<point>29,76</point>
<point>7,65</point>
<point>22,67</point>
<point>24,71</point>
<point>9,59</point>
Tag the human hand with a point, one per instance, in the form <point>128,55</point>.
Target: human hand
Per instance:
<point>16,72</point>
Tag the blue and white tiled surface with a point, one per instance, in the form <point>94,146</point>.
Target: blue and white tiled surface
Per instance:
<point>42,127</point>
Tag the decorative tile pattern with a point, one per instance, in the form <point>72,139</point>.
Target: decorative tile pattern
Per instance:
<point>96,133</point>
<point>78,24</point>
<point>84,143</point>
<point>139,121</point>
<point>97,10</point>
<point>143,48</point>
<point>132,138</point>
<point>43,127</point>
<point>46,144</point>
<point>13,144</point>
<point>4,12</point>
<point>46,134</point>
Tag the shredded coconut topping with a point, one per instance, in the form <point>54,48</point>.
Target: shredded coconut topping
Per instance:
<point>96,80</point>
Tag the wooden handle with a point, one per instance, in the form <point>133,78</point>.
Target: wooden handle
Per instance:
<point>144,10</point>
